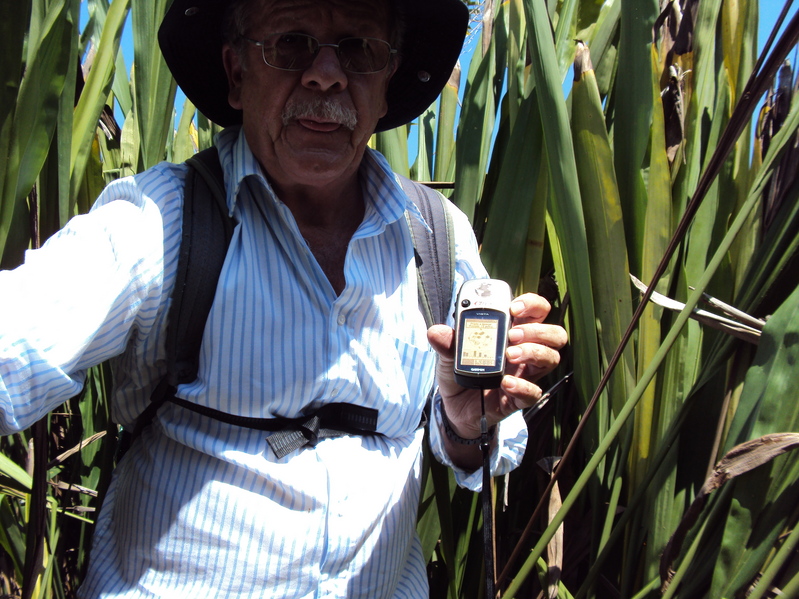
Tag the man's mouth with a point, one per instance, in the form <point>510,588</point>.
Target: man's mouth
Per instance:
<point>321,126</point>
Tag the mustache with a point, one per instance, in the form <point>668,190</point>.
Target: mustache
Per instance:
<point>323,109</point>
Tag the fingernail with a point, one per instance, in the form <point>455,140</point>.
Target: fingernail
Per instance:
<point>515,335</point>
<point>514,353</point>
<point>517,307</point>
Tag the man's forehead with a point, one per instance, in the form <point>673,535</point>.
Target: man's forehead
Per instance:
<point>357,12</point>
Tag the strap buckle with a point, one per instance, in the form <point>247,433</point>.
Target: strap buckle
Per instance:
<point>331,420</point>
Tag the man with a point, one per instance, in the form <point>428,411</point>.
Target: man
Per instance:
<point>316,304</point>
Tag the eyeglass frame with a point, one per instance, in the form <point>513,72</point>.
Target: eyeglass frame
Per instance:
<point>319,45</point>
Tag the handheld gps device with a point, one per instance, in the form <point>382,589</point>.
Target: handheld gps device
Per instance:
<point>482,320</point>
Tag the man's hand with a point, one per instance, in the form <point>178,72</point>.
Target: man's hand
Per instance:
<point>533,351</point>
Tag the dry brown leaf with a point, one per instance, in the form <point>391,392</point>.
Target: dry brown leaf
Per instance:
<point>555,546</point>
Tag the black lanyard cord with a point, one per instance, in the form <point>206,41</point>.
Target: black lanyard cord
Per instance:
<point>488,515</point>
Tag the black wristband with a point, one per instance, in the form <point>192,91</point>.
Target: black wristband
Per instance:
<point>455,437</point>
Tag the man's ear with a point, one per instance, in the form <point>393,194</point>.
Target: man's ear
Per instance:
<point>233,67</point>
<point>393,65</point>
<point>390,70</point>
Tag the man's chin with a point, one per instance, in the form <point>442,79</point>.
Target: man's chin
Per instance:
<point>319,166</point>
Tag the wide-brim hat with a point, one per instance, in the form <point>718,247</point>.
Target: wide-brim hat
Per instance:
<point>191,40</point>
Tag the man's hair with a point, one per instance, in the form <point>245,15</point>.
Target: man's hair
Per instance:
<point>239,13</point>
<point>396,24</point>
<point>233,23</point>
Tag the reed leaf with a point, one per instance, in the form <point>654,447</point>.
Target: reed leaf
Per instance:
<point>601,44</point>
<point>34,121</point>
<point>742,19</point>
<point>444,160</point>
<point>475,129</point>
<point>56,206</point>
<point>649,429</point>
<point>14,22</point>
<point>10,469</point>
<point>607,247</point>
<point>154,92</point>
<point>423,166</point>
<point>565,204</point>
<point>565,34</point>
<point>517,33</point>
<point>185,144</point>
<point>632,118</point>
<point>95,93</point>
<point>393,144</point>
<point>515,207</point>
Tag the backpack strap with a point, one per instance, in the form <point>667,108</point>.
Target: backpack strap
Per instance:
<point>205,237</point>
<point>207,230</point>
<point>435,259</point>
<point>434,250</point>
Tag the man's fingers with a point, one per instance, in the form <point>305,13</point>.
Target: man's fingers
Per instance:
<point>529,307</point>
<point>540,357</point>
<point>519,394</point>
<point>547,334</point>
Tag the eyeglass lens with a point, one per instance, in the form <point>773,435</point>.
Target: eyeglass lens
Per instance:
<point>296,51</point>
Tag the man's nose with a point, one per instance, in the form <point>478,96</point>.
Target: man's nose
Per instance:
<point>325,72</point>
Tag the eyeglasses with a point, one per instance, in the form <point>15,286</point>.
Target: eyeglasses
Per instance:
<point>297,51</point>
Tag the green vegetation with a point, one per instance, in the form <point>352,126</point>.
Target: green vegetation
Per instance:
<point>673,438</point>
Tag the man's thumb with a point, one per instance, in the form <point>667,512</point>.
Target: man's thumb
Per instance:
<point>442,338</point>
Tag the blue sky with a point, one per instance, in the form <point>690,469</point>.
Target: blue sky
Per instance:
<point>769,12</point>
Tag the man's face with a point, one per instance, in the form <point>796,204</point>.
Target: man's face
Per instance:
<point>306,147</point>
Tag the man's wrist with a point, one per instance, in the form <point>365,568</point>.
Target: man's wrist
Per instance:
<point>453,435</point>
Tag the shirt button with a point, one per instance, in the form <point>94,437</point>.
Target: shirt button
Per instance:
<point>341,319</point>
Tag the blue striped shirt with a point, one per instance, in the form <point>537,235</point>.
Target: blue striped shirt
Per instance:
<point>198,508</point>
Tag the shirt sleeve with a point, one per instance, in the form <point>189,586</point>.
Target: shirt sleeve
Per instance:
<point>76,302</point>
<point>507,454</point>
<point>511,432</point>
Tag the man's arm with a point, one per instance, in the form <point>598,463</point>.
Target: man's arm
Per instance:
<point>73,304</point>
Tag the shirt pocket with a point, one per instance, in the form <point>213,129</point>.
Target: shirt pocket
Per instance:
<point>418,368</point>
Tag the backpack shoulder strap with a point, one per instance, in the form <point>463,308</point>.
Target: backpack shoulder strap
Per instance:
<point>206,234</point>
<point>205,237</point>
<point>435,250</point>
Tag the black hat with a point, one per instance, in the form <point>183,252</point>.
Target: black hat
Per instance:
<point>191,40</point>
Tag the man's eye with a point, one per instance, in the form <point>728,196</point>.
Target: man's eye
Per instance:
<point>293,42</point>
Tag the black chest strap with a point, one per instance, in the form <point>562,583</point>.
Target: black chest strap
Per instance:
<point>206,234</point>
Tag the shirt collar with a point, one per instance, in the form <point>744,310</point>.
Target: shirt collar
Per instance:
<point>382,189</point>
<point>238,163</point>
